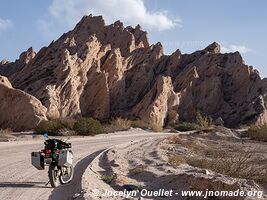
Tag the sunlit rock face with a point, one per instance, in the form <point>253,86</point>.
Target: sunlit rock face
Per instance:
<point>19,110</point>
<point>106,71</point>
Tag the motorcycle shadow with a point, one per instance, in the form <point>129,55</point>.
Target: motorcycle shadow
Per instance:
<point>23,185</point>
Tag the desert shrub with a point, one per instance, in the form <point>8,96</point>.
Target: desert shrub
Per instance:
<point>258,132</point>
<point>138,123</point>
<point>5,131</point>
<point>196,146</point>
<point>62,126</point>
<point>66,132</point>
<point>68,123</point>
<point>238,164</point>
<point>156,127</point>
<point>229,159</point>
<point>176,160</point>
<point>88,126</point>
<point>137,170</point>
<point>51,127</point>
<point>174,139</point>
<point>109,178</point>
<point>187,126</point>
<point>120,124</point>
<point>5,135</point>
<point>203,121</point>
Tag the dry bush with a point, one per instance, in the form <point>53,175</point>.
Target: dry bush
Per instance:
<point>176,160</point>
<point>203,121</point>
<point>137,170</point>
<point>52,127</point>
<point>196,146</point>
<point>5,134</point>
<point>56,126</point>
<point>156,127</point>
<point>174,139</point>
<point>192,144</point>
<point>68,123</point>
<point>232,160</point>
<point>5,131</point>
<point>109,178</point>
<point>237,164</point>
<point>120,124</point>
<point>138,123</point>
<point>258,132</point>
<point>187,126</point>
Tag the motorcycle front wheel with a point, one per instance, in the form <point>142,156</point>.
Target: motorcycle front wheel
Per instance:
<point>54,174</point>
<point>66,174</point>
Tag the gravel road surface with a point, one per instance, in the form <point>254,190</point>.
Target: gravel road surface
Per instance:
<point>19,180</point>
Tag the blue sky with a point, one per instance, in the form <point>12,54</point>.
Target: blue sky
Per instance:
<point>188,25</point>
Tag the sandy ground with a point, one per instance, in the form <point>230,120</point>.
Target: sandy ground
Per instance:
<point>20,180</point>
<point>144,164</point>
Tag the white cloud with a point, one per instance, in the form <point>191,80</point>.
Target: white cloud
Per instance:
<point>234,48</point>
<point>64,14</point>
<point>5,24</point>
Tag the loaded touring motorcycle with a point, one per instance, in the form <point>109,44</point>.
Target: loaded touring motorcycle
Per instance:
<point>59,157</point>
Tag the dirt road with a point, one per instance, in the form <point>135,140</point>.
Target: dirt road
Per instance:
<point>19,180</point>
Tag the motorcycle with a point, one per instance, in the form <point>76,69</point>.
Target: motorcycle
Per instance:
<point>58,156</point>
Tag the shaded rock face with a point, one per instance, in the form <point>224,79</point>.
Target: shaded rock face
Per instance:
<point>106,71</point>
<point>156,103</point>
<point>19,110</point>
<point>220,85</point>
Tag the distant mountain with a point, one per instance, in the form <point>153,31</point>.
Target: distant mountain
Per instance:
<point>107,71</point>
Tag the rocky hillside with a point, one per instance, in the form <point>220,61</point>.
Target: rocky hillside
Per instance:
<point>19,110</point>
<point>106,71</point>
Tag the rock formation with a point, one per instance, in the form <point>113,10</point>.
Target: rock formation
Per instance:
<point>8,68</point>
<point>19,110</point>
<point>107,71</point>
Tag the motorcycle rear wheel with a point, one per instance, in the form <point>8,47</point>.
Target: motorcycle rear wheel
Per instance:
<point>66,174</point>
<point>54,174</point>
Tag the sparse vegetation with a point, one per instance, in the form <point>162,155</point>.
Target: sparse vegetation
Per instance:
<point>137,170</point>
<point>120,124</point>
<point>174,139</point>
<point>232,160</point>
<point>195,146</point>
<point>66,126</point>
<point>238,164</point>
<point>156,127</point>
<point>258,132</point>
<point>109,178</point>
<point>88,126</point>
<point>5,131</point>
<point>187,126</point>
<point>138,123</point>
<point>52,127</point>
<point>68,123</point>
<point>5,134</point>
<point>176,160</point>
<point>203,121</point>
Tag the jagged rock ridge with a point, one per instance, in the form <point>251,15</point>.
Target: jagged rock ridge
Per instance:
<point>106,71</point>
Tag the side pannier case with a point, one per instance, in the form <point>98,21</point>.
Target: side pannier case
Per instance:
<point>65,158</point>
<point>37,160</point>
